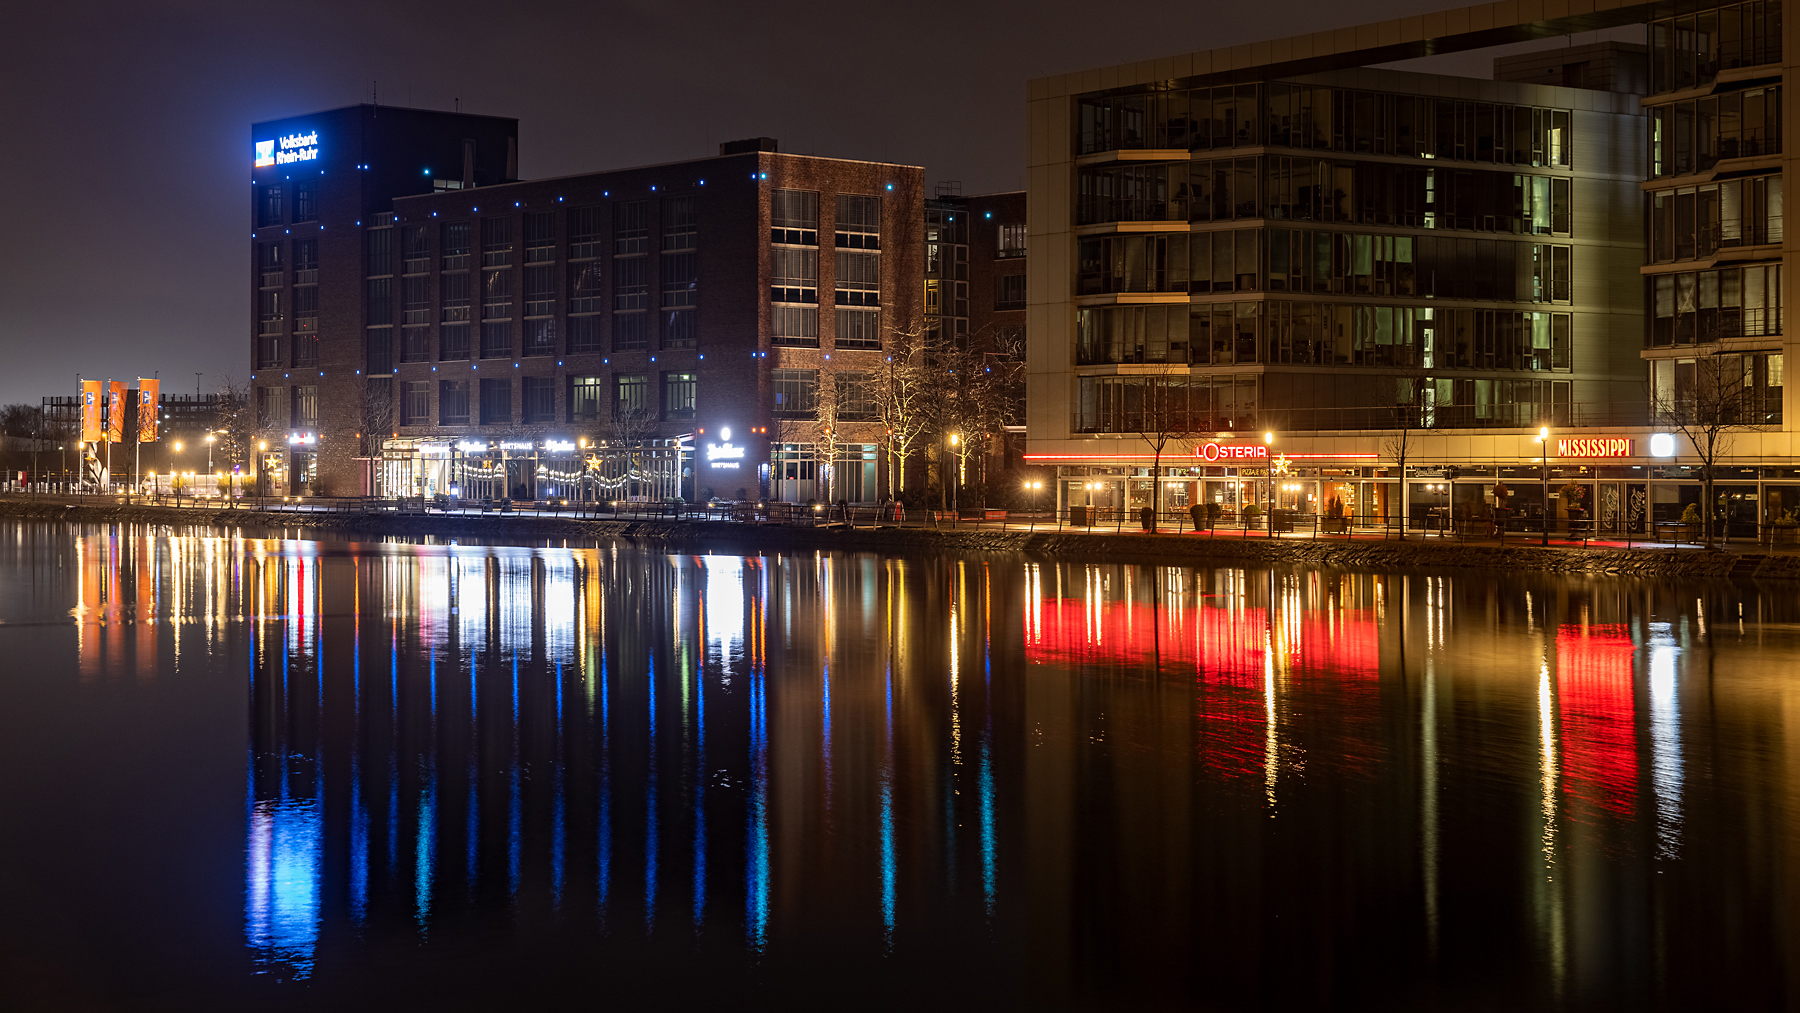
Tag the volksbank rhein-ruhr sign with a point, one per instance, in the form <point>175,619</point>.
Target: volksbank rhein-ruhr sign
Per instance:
<point>287,149</point>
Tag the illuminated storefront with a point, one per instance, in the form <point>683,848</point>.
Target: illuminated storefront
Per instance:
<point>574,469</point>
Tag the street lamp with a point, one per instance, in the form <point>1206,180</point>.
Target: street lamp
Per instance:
<point>1544,477</point>
<point>955,490</point>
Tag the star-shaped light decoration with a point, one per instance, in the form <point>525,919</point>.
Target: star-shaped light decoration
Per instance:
<point>1281,464</point>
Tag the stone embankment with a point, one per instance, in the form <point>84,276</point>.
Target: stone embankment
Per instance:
<point>1185,549</point>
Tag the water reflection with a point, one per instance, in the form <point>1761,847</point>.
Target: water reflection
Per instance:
<point>1016,776</point>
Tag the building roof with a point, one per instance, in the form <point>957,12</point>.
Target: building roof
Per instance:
<point>1464,28</point>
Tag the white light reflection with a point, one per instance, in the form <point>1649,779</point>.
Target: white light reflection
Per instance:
<point>1665,739</point>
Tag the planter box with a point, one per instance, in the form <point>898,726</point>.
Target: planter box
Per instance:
<point>1784,536</point>
<point>1334,525</point>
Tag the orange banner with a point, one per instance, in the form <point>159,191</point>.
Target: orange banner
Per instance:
<point>115,412</point>
<point>149,390</point>
<point>91,429</point>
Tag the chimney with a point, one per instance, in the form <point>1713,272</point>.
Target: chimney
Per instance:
<point>748,144</point>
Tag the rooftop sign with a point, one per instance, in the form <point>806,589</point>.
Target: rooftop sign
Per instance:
<point>1232,451</point>
<point>287,149</point>
<point>1604,446</point>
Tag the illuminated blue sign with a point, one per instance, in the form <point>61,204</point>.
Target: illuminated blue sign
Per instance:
<point>287,149</point>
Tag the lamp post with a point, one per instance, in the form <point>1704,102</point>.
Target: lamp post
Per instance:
<point>1269,441</point>
<point>1544,478</point>
<point>956,490</point>
<point>1032,488</point>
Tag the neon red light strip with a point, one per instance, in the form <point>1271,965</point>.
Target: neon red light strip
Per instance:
<point>1177,457</point>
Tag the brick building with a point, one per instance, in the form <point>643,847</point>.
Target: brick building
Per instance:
<point>689,329</point>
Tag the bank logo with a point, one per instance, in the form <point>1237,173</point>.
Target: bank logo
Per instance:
<point>265,154</point>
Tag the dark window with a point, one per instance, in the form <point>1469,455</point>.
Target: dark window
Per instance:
<point>380,344</point>
<point>270,316</point>
<point>415,403</point>
<point>496,242</point>
<point>585,233</point>
<point>584,334</point>
<point>679,329</point>
<point>631,228</point>
<point>415,344</point>
<point>496,339</point>
<point>306,307</point>
<point>456,246</point>
<point>858,327</point>
<point>380,304</point>
<point>796,392</point>
<point>453,296</point>
<point>415,306</point>
<point>631,282</point>
<point>1009,292</point>
<point>306,350</point>
<point>306,201</point>
<point>265,406</point>
<point>540,336</point>
<point>855,398</point>
<point>378,247</point>
<point>496,402</point>
<point>537,398</point>
<point>453,342</point>
<point>585,293</point>
<point>540,290</point>
<point>540,237</point>
<point>268,206</point>
<point>678,395</point>
<point>631,395</point>
<point>306,258</point>
<point>453,402</point>
<point>415,251</point>
<point>628,332</point>
<point>496,294</point>
<point>268,264</point>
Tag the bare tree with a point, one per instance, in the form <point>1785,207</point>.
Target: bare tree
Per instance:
<point>631,429</point>
<point>900,393</point>
<point>1719,402</point>
<point>963,397</point>
<point>1165,418</point>
<point>237,422</point>
<point>1410,414</point>
<point>376,423</point>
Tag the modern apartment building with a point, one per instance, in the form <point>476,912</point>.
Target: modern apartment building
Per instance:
<point>661,331</point>
<point>1289,257</point>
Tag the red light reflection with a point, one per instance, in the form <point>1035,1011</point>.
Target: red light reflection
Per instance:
<point>1594,704</point>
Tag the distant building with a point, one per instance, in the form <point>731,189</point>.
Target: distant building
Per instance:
<point>650,332</point>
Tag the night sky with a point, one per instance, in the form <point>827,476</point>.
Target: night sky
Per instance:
<point>125,179</point>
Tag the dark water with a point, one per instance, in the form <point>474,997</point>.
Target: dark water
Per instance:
<point>273,773</point>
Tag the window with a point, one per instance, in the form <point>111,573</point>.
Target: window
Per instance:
<point>453,402</point>
<point>268,206</point>
<point>453,342</point>
<point>631,395</point>
<point>496,402</point>
<point>378,252</point>
<point>306,261</point>
<point>540,290</point>
<point>415,307</point>
<point>584,334</point>
<point>631,228</point>
<point>794,217</point>
<point>858,279</point>
<point>306,406</point>
<point>585,293</point>
<point>415,344</point>
<point>628,332</point>
<point>1012,241</point>
<point>586,396</point>
<point>415,403</point>
<point>585,235</point>
<point>380,302</point>
<point>858,222</point>
<point>265,406</point>
<point>796,392</point>
<point>537,399</point>
<point>680,329</point>
<point>540,336</point>
<point>270,318</point>
<point>456,246</point>
<point>855,397</point>
<point>1009,292</point>
<point>379,343</point>
<point>268,264</point>
<point>415,250</point>
<point>306,201</point>
<point>306,350</point>
<point>540,237</point>
<point>496,242</point>
<point>631,282</point>
<point>496,339</point>
<point>268,351</point>
<point>794,276</point>
<point>858,327</point>
<point>453,297</point>
<point>795,325</point>
<point>496,294</point>
<point>678,395</point>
